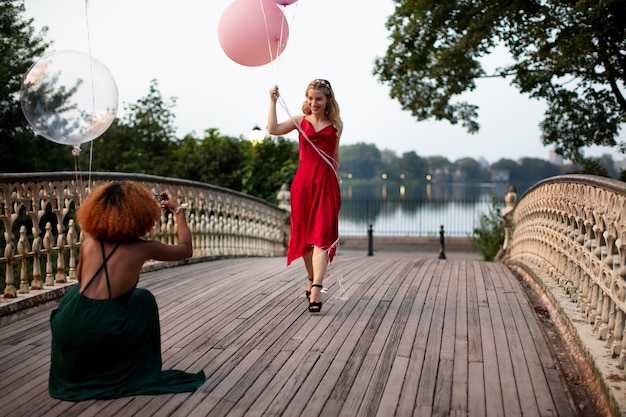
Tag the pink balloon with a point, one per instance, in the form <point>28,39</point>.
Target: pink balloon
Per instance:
<point>253,32</point>
<point>284,2</point>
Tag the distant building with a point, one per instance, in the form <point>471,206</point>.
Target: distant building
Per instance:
<point>482,161</point>
<point>440,176</point>
<point>620,165</point>
<point>459,176</point>
<point>500,175</point>
<point>555,158</point>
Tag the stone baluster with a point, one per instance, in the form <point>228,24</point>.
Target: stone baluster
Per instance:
<point>220,233</point>
<point>9,254</point>
<point>615,341</point>
<point>72,240</point>
<point>602,319</point>
<point>60,277</point>
<point>23,247</point>
<point>48,244</point>
<point>36,283</point>
<point>203,234</point>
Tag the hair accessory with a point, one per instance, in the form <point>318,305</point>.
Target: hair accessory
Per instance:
<point>323,82</point>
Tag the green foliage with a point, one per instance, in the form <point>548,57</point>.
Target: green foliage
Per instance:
<point>361,160</point>
<point>271,163</point>
<point>142,141</point>
<point>213,159</point>
<point>593,166</point>
<point>568,53</point>
<point>489,235</point>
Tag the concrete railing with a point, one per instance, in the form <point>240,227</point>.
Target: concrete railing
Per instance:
<point>570,231</point>
<point>40,238</point>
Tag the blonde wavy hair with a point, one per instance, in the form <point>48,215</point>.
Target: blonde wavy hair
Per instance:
<point>332,107</point>
<point>118,211</point>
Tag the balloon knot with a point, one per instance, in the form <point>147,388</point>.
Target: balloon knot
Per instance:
<point>76,150</point>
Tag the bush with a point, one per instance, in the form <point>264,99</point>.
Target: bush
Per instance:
<point>489,235</point>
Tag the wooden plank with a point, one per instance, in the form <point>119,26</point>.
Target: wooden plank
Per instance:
<point>445,373</point>
<point>474,337</point>
<point>476,395</point>
<point>493,392</point>
<point>460,376</point>
<point>393,387</point>
<point>433,382</point>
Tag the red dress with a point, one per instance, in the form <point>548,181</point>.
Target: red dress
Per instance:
<point>315,195</point>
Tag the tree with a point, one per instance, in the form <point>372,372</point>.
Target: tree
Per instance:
<point>142,140</point>
<point>438,162</point>
<point>472,169</point>
<point>362,160</point>
<point>21,149</point>
<point>533,170</point>
<point>413,166</point>
<point>271,163</point>
<point>214,159</point>
<point>572,54</point>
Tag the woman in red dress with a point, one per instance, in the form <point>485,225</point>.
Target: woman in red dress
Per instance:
<point>315,194</point>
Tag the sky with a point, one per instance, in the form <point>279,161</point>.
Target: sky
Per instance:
<point>176,44</point>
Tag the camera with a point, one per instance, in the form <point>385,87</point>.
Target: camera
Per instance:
<point>160,197</point>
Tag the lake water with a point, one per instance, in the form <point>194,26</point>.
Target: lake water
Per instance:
<point>397,214</point>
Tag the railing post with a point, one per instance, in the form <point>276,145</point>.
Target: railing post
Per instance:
<point>442,252</point>
<point>370,241</point>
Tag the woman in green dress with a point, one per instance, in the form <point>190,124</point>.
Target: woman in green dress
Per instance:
<point>106,340</point>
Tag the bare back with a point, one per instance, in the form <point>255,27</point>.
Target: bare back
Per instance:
<point>123,267</point>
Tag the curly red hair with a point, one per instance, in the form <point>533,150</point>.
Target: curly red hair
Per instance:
<point>118,211</point>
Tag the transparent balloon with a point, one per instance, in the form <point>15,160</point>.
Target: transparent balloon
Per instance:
<point>69,97</point>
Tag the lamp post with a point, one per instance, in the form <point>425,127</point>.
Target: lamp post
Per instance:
<point>384,192</point>
<point>349,176</point>
<point>256,135</point>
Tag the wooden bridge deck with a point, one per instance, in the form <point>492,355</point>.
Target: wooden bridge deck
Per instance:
<point>396,336</point>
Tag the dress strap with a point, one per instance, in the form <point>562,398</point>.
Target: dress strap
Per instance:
<point>105,259</point>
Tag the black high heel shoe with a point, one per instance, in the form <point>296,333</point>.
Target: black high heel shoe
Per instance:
<point>315,307</point>
<point>307,292</point>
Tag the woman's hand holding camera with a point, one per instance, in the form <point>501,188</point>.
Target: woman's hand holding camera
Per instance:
<point>169,203</point>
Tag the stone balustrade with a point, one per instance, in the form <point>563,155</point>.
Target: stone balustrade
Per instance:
<point>41,239</point>
<point>571,229</point>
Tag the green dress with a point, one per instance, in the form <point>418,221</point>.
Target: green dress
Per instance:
<point>103,349</point>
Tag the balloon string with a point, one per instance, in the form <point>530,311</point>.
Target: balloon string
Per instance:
<point>93,88</point>
<point>276,61</point>
<point>339,278</point>
<point>279,54</point>
<point>267,33</point>
<point>327,158</point>
<point>281,40</point>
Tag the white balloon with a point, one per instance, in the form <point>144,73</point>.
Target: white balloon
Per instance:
<point>69,97</point>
